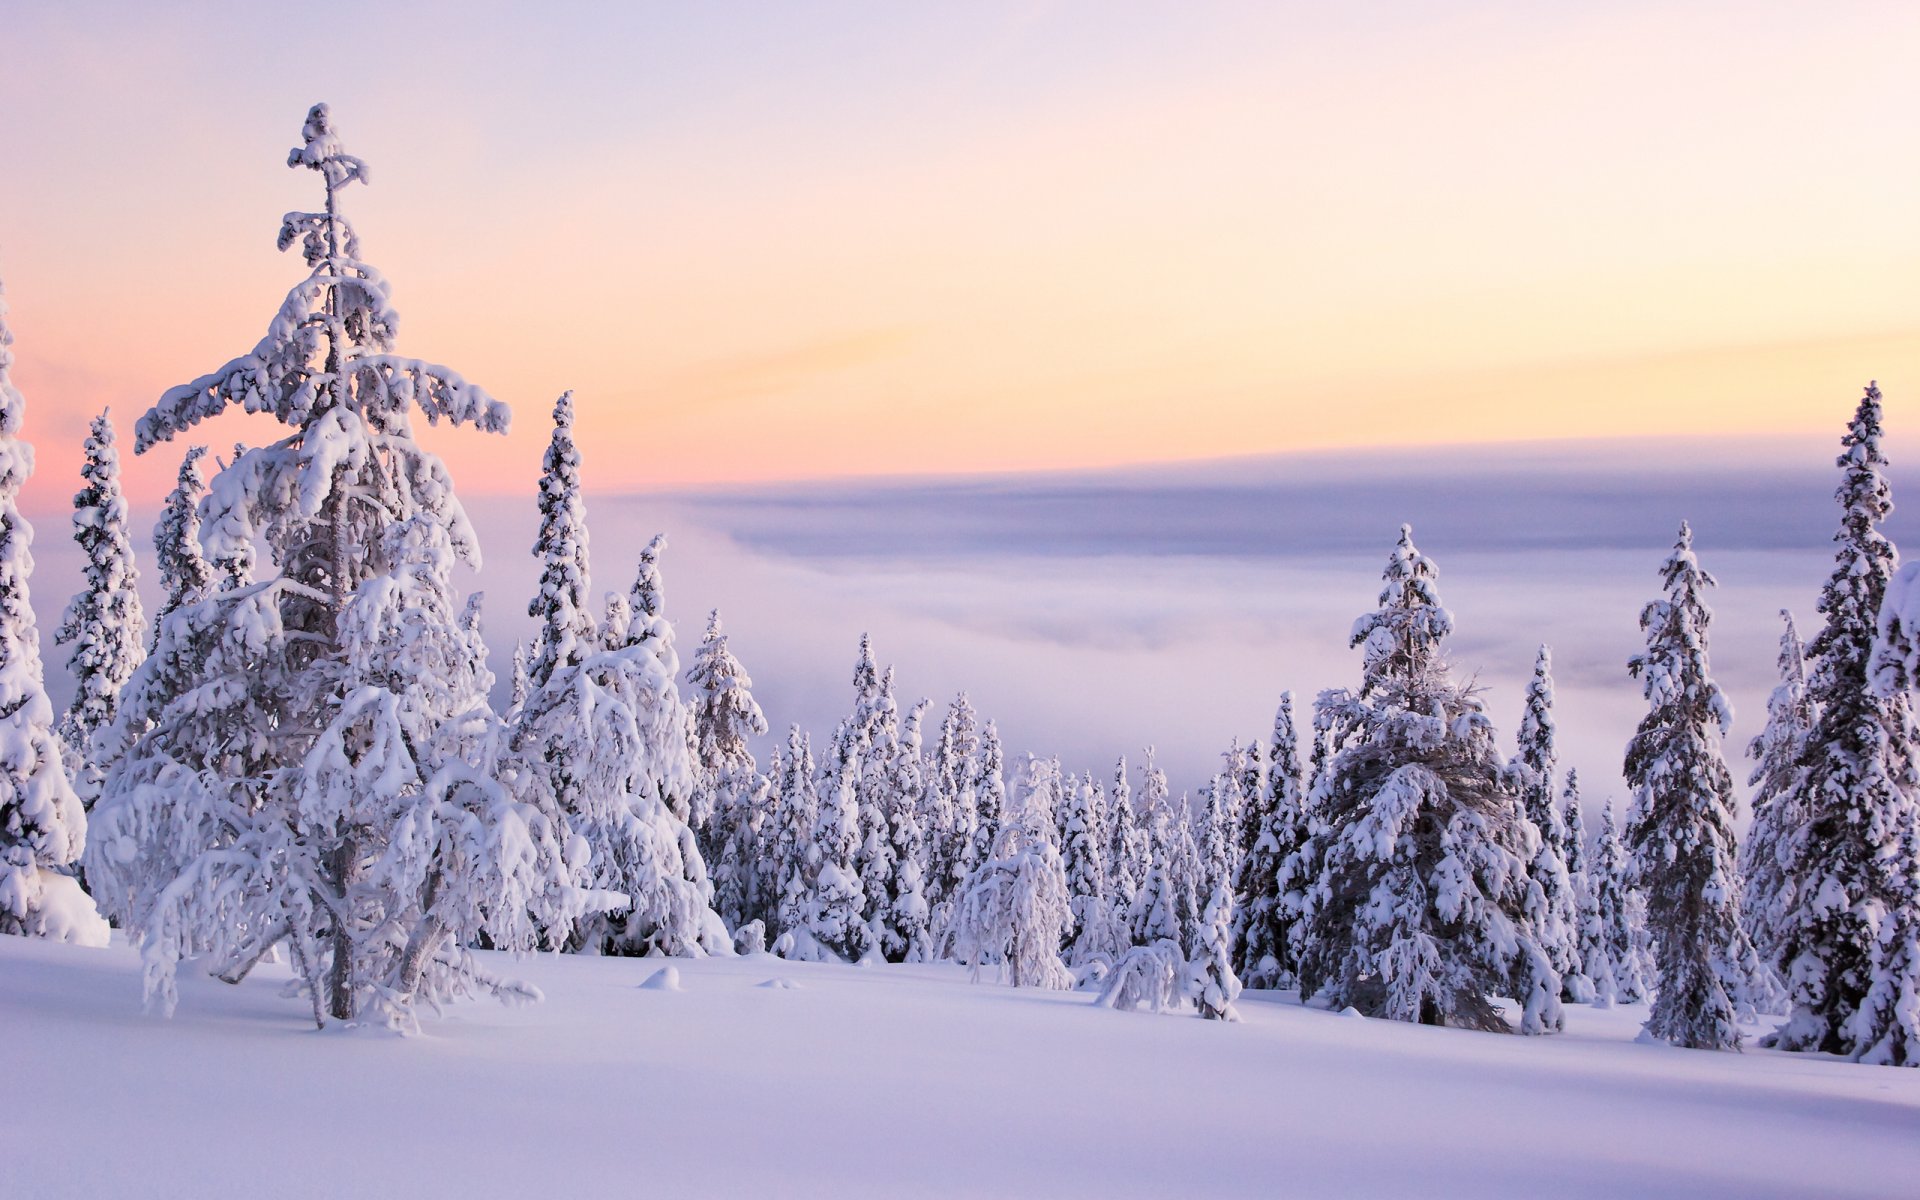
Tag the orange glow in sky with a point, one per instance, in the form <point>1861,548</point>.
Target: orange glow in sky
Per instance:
<point>816,240</point>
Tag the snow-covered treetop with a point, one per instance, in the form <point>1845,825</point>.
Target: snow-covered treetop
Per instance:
<point>1675,662</point>
<point>560,603</point>
<point>16,457</point>
<point>1402,637</point>
<point>1536,723</point>
<point>1852,600</point>
<point>329,348</point>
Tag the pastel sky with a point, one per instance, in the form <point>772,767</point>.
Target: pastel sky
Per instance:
<point>800,240</point>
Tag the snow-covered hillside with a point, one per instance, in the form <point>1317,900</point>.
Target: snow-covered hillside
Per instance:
<point>889,1081</point>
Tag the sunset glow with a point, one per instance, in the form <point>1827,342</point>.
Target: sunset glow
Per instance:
<point>813,241</point>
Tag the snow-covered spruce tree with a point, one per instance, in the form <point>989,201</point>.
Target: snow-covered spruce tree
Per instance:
<point>1850,870</point>
<point>1264,913</point>
<point>909,918</point>
<point>1886,1027</point>
<point>1776,822</point>
<point>1586,925</point>
<point>565,631</point>
<point>877,717</point>
<point>1610,937</point>
<point>836,901</point>
<point>185,574</point>
<point>1420,910</point>
<point>1014,910</point>
<point>1533,770</point>
<point>43,827</point>
<point>792,854</point>
<point>608,739</point>
<point>104,622</point>
<point>329,775</point>
<point>1210,978</point>
<point>1680,829</point>
<point>520,684</point>
<point>1096,935</point>
<point>987,785</point>
<point>1128,849</point>
<point>948,819</point>
<point>1212,839</point>
<point>725,719</point>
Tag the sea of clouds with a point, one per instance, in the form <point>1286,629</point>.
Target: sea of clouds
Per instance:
<point>1093,613</point>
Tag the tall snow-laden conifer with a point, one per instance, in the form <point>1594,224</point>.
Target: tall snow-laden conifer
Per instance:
<point>907,931</point>
<point>104,622</point>
<point>566,626</point>
<point>837,900</point>
<point>725,719</point>
<point>1095,933</point>
<point>1613,940</point>
<point>987,784</point>
<point>1852,870</point>
<point>1776,753</point>
<point>1126,843</point>
<point>43,827</point>
<point>328,775</point>
<point>1533,769</point>
<point>1264,911</point>
<point>185,574</point>
<point>1420,909</point>
<point>613,746</point>
<point>793,853</point>
<point>948,820</point>
<point>1681,827</point>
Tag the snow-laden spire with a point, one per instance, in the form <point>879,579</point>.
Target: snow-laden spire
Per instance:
<point>1843,922</point>
<point>104,622</point>
<point>185,574</point>
<point>1402,637</point>
<point>1681,825</point>
<point>42,825</point>
<point>566,627</point>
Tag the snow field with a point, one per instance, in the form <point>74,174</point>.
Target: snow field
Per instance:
<point>890,1081</point>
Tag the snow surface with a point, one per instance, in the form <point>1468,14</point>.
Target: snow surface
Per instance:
<point>891,1081</point>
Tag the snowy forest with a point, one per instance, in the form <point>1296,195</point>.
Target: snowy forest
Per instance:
<point>299,759</point>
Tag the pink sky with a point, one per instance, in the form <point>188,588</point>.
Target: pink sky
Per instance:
<point>803,240</point>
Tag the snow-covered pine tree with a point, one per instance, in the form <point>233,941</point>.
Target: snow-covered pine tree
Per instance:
<point>1264,912</point>
<point>329,775</point>
<point>565,633</point>
<point>1681,827</point>
<point>948,819</point>
<point>1420,908</point>
<point>1210,978</point>
<point>1214,827</point>
<point>185,574</point>
<point>725,719</point>
<point>837,901</point>
<point>1095,934</point>
<point>609,738</point>
<point>909,917</point>
<point>1533,769</point>
<point>1014,910</point>
<point>1776,754</point>
<point>877,720</point>
<point>793,856</point>
<point>1129,849</point>
<point>1586,924</point>
<point>104,622</point>
<point>1610,936</point>
<point>1852,870</point>
<point>43,827</point>
<point>987,785</point>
